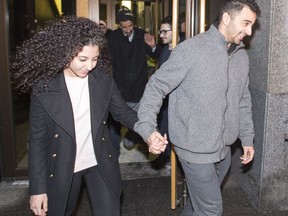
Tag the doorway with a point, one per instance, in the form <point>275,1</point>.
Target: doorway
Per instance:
<point>21,19</point>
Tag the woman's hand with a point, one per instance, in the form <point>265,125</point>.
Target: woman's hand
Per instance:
<point>39,204</point>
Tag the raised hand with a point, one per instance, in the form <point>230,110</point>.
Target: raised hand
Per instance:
<point>149,40</point>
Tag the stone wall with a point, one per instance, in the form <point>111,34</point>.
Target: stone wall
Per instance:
<point>265,181</point>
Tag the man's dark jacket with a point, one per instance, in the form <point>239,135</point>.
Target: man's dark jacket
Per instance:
<point>129,60</point>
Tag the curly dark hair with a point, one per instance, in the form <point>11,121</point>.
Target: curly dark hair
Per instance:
<point>51,50</point>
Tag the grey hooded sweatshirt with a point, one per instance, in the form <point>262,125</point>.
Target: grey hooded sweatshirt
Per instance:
<point>209,104</point>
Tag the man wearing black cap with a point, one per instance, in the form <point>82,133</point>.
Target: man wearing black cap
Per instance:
<point>129,47</point>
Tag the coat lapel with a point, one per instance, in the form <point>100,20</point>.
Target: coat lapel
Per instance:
<point>58,105</point>
<point>99,99</point>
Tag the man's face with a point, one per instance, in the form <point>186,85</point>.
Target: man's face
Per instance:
<point>166,33</point>
<point>127,27</point>
<point>240,25</point>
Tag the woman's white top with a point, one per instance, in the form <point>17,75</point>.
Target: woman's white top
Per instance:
<point>78,89</point>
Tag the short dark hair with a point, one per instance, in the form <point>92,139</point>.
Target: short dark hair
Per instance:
<point>235,6</point>
<point>167,20</point>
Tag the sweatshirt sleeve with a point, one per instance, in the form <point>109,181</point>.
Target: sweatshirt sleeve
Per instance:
<point>161,83</point>
<point>246,123</point>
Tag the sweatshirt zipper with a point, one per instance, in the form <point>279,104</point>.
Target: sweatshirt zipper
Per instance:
<point>226,100</point>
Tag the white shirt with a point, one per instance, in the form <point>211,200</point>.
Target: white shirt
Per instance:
<point>79,95</point>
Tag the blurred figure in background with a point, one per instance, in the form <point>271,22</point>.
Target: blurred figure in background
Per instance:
<point>165,33</point>
<point>182,26</point>
<point>129,47</point>
<point>104,28</point>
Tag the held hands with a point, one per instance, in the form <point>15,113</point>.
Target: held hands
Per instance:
<point>157,143</point>
<point>149,40</point>
<point>248,155</point>
<point>39,204</point>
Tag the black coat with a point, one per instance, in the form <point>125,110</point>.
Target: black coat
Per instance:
<point>52,144</point>
<point>129,60</point>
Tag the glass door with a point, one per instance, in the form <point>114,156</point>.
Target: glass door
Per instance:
<point>21,19</point>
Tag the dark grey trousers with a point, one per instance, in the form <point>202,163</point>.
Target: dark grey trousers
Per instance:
<point>203,183</point>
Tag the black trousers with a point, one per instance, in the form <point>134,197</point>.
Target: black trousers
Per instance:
<point>100,197</point>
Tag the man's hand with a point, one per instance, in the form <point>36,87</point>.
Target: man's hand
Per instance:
<point>150,40</point>
<point>39,204</point>
<point>248,155</point>
<point>157,143</point>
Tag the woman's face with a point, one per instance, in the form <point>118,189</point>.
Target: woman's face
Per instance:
<point>84,62</point>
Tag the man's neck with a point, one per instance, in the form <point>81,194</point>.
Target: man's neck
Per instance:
<point>222,29</point>
<point>130,38</point>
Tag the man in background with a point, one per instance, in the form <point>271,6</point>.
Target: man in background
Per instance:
<point>129,47</point>
<point>104,28</point>
<point>165,33</point>
<point>182,26</point>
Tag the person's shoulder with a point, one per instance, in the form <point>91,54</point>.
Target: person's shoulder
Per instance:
<point>108,33</point>
<point>115,31</point>
<point>186,43</point>
<point>165,49</point>
<point>44,86</point>
<point>139,31</point>
<point>200,39</point>
<point>114,34</point>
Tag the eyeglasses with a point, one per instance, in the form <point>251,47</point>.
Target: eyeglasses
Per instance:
<point>164,32</point>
